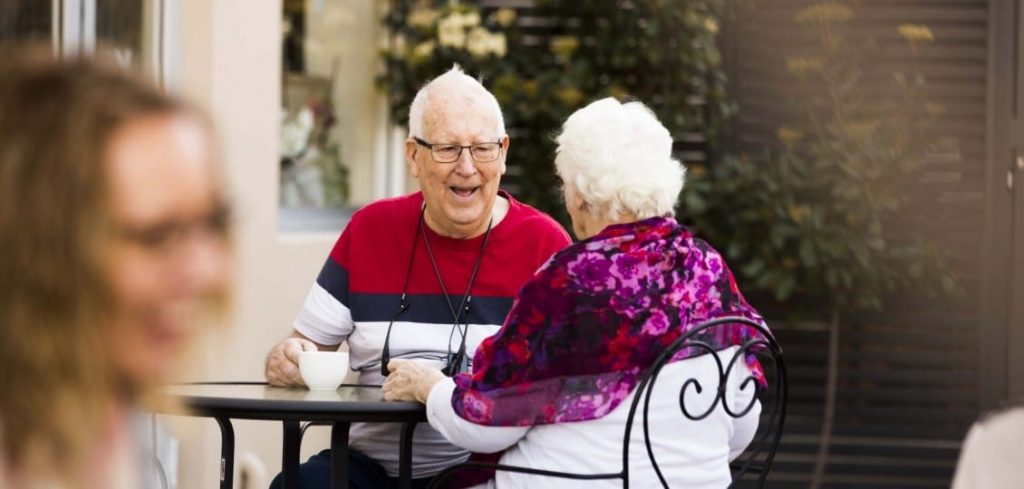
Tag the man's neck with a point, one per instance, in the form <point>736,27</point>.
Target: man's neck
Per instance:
<point>498,212</point>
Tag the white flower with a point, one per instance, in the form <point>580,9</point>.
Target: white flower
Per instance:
<point>471,19</point>
<point>422,17</point>
<point>423,50</point>
<point>499,46</point>
<point>450,32</point>
<point>482,42</point>
<point>400,46</point>
<point>478,42</point>
<point>295,132</point>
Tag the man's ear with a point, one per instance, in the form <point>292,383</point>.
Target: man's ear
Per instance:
<point>410,156</point>
<point>505,142</point>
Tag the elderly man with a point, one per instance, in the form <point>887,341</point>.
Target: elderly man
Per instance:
<point>423,276</point>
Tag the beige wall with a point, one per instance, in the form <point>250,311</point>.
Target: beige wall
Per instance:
<point>230,63</point>
<point>338,32</point>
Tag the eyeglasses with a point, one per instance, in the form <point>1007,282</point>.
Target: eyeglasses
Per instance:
<point>450,153</point>
<point>163,237</point>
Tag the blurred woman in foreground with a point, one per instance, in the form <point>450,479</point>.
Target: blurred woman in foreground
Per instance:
<point>112,241</point>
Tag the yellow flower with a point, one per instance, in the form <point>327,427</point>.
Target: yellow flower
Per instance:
<point>789,136</point>
<point>804,65</point>
<point>934,109</point>
<point>916,33</point>
<point>422,17</point>
<point>504,16</point>
<point>531,87</point>
<point>564,46</point>
<point>798,213</point>
<point>825,14</point>
<point>711,25</point>
<point>422,52</point>
<point>618,92</point>
<point>862,129</point>
<point>570,96</point>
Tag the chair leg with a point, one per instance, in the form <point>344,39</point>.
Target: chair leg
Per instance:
<point>227,453</point>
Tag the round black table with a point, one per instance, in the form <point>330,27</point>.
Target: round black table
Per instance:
<point>225,401</point>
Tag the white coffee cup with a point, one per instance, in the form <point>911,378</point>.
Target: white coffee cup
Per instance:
<point>323,370</point>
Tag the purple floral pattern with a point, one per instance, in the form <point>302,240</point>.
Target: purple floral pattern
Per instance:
<point>589,322</point>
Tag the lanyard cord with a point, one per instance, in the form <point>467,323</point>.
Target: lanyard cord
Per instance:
<point>455,362</point>
<point>385,354</point>
<point>464,305</point>
<point>403,305</point>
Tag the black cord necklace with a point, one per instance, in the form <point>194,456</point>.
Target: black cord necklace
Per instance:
<point>458,361</point>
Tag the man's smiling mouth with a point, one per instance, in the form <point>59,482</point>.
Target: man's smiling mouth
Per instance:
<point>462,191</point>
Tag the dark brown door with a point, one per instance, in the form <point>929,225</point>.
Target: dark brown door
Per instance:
<point>1015,185</point>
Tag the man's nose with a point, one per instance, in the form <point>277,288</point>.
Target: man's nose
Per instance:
<point>465,165</point>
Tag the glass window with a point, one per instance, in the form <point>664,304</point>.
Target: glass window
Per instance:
<point>132,29</point>
<point>22,20</point>
<point>336,145</point>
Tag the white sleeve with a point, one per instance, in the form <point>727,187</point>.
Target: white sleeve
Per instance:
<point>323,318</point>
<point>745,427</point>
<point>471,436</point>
<point>968,467</point>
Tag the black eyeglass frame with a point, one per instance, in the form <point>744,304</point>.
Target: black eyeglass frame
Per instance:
<point>461,147</point>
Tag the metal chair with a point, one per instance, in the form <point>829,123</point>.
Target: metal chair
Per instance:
<point>756,459</point>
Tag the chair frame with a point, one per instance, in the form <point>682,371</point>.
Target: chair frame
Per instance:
<point>769,438</point>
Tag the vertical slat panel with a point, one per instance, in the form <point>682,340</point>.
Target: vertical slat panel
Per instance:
<point>907,382</point>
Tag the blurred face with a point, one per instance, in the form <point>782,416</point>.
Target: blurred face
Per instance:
<point>169,251</point>
<point>459,195</point>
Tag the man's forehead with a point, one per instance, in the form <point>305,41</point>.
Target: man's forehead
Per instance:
<point>461,116</point>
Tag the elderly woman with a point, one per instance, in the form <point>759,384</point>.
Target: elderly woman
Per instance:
<point>112,240</point>
<point>552,388</point>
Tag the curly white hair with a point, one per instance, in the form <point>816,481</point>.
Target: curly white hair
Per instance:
<point>617,158</point>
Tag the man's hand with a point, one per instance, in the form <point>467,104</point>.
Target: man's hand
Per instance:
<point>283,362</point>
<point>410,380</point>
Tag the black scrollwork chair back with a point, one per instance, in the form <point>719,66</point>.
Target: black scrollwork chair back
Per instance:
<point>754,463</point>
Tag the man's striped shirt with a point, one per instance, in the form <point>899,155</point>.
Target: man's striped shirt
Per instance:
<point>358,291</point>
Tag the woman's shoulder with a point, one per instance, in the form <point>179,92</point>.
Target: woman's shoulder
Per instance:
<point>1006,418</point>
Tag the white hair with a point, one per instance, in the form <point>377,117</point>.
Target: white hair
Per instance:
<point>452,82</point>
<point>617,158</point>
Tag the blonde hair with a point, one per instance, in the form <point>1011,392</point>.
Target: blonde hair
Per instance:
<point>618,159</point>
<point>57,387</point>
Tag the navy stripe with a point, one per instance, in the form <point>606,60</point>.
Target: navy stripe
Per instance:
<point>427,308</point>
<point>334,279</point>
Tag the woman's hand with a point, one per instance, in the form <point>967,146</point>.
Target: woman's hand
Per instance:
<point>410,380</point>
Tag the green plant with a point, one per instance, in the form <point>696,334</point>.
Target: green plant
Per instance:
<point>663,53</point>
<point>816,222</point>
<point>816,218</point>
